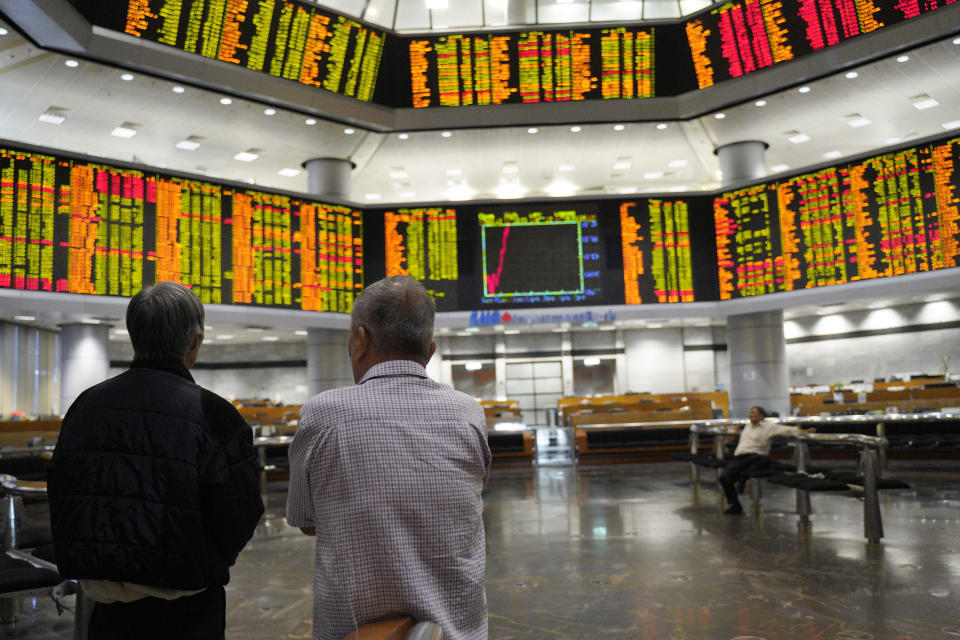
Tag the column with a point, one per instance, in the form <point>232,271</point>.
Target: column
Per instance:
<point>83,359</point>
<point>756,347</point>
<point>328,364</point>
<point>329,177</point>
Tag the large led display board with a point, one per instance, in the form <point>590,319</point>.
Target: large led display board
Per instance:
<point>73,226</point>
<point>288,39</point>
<point>888,215</point>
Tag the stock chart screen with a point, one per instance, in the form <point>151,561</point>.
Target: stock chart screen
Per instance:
<point>738,38</point>
<point>888,215</point>
<point>284,38</point>
<point>79,227</point>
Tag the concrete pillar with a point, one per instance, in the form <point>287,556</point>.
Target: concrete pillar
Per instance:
<point>756,347</point>
<point>83,359</point>
<point>758,363</point>
<point>328,364</point>
<point>329,177</point>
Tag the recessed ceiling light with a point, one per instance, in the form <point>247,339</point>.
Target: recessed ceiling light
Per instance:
<point>804,89</point>
<point>903,58</point>
<point>446,134</point>
<point>372,196</point>
<point>288,172</point>
<point>777,168</point>
<point>310,122</point>
<point>678,189</point>
<point>126,77</point>
<point>956,41</point>
<point>398,174</point>
<point>566,168</point>
<point>407,194</point>
<point>3,31</point>
<point>561,189</point>
<point>832,155</point>
<point>454,172</point>
<point>627,190</point>
<point>923,101</point>
<point>677,164</point>
<point>178,89</point>
<point>719,116</point>
<point>953,124</point>
<point>618,127</point>
<point>511,332</point>
<point>622,165</point>
<point>653,175</point>
<point>255,329</point>
<point>760,103</point>
<point>53,115</point>
<point>121,332</point>
<point>893,140</point>
<point>856,120</point>
<point>73,64</point>
<point>126,130</point>
<point>269,338</point>
<point>90,321</point>
<point>662,126</point>
<point>851,74</point>
<point>510,190</point>
<point>348,131</point>
<point>937,297</point>
<point>247,156</point>
<point>576,129</point>
<point>190,143</point>
<point>533,130</point>
<point>226,101</point>
<point>269,111</point>
<point>798,138</point>
<point>460,191</point>
<point>24,318</point>
<point>510,169</point>
<point>403,136</point>
<point>301,332</point>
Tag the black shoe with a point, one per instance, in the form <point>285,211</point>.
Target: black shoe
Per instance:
<point>733,510</point>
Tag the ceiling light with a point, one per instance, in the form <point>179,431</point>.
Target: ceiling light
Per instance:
<point>403,136</point>
<point>851,74</point>
<point>510,190</point>
<point>407,194</point>
<point>269,338</point>
<point>398,174</point>
<point>3,31</point>
<point>348,131</point>
<point>777,168</point>
<point>53,115</point>
<point>247,156</point>
<point>190,143</point>
<point>662,126</point>
<point>126,77</point>
<point>533,130</point>
<point>937,297</point>
<point>446,134</point>
<point>618,127</point>
<point>121,332</point>
<point>269,111</point>
<point>956,41</point>
<point>226,101</point>
<point>953,124</point>
<point>24,318</point>
<point>255,329</point>
<point>454,172</point>
<point>372,196</point>
<point>287,172</point>
<point>73,64</point>
<point>126,130</point>
<point>856,120</point>
<point>460,192</point>
<point>626,190</point>
<point>760,103</point>
<point>832,155</point>
<point>561,189</point>
<point>591,362</point>
<point>437,4</point>
<point>178,89</point>
<point>622,165</point>
<point>653,175</point>
<point>655,325</point>
<point>676,164</point>
<point>575,129</point>
<point>797,138</point>
<point>803,89</point>
<point>893,140</point>
<point>719,116</point>
<point>301,332</point>
<point>678,189</point>
<point>89,321</point>
<point>310,122</point>
<point>510,169</point>
<point>903,58</point>
<point>923,101</point>
<point>566,168</point>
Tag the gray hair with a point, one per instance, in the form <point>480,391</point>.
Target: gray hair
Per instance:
<point>398,314</point>
<point>163,321</point>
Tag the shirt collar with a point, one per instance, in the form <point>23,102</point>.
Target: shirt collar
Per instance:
<point>170,366</point>
<point>392,368</point>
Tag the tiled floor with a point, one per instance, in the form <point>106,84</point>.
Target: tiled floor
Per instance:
<point>635,552</point>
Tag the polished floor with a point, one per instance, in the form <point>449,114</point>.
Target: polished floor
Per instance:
<point>635,551</point>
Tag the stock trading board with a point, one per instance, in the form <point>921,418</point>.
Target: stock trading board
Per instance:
<point>80,227</point>
<point>284,38</point>
<point>884,216</point>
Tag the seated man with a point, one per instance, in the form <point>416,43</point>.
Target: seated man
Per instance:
<point>752,454</point>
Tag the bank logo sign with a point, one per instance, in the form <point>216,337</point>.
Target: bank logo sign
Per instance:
<point>494,317</point>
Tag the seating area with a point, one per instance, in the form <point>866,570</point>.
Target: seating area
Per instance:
<point>917,395</point>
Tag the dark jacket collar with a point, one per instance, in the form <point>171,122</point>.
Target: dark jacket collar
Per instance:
<point>170,366</point>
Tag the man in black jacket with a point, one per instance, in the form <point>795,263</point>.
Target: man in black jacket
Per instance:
<point>154,484</point>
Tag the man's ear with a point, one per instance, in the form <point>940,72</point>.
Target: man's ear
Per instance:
<point>433,350</point>
<point>361,342</point>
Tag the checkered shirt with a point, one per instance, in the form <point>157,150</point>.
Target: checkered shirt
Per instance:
<point>390,473</point>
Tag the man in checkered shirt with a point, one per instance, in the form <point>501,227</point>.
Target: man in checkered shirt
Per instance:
<point>387,475</point>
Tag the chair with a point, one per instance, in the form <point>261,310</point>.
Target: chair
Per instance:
<point>398,629</point>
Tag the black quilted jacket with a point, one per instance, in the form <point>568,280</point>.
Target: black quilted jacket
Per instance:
<point>154,480</point>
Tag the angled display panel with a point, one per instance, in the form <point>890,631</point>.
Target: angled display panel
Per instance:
<point>73,226</point>
<point>284,38</point>
<point>887,215</point>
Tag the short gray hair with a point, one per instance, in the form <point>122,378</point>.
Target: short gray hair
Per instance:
<point>163,321</point>
<point>398,314</point>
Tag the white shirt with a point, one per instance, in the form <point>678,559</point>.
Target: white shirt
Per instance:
<point>756,438</point>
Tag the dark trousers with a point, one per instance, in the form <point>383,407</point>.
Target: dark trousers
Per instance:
<point>198,617</point>
<point>737,470</point>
